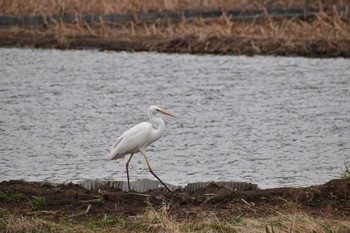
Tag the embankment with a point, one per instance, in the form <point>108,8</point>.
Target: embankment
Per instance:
<point>298,28</point>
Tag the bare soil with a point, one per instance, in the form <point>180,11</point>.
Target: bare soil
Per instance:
<point>71,201</point>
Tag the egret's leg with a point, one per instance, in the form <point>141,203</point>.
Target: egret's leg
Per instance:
<point>151,171</point>
<point>127,171</point>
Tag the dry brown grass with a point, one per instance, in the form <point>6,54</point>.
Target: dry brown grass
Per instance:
<point>55,7</point>
<point>323,27</point>
<point>327,35</point>
<point>161,220</point>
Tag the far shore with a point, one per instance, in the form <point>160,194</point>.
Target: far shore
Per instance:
<point>298,29</point>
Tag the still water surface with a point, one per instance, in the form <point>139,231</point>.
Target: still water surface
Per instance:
<point>274,121</point>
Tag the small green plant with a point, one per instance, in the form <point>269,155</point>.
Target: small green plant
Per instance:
<point>2,196</point>
<point>290,205</point>
<point>12,197</point>
<point>106,221</point>
<point>238,218</point>
<point>328,231</point>
<point>100,200</point>
<point>39,202</point>
<point>346,172</point>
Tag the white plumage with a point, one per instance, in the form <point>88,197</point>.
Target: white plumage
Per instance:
<point>130,143</point>
<point>139,137</point>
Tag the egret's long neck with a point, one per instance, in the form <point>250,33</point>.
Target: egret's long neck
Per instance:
<point>158,126</point>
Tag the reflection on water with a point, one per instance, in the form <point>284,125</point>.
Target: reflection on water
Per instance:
<point>269,120</point>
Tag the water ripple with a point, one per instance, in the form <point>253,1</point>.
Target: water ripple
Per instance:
<point>269,120</point>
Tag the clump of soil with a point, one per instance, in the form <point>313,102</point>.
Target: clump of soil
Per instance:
<point>331,199</point>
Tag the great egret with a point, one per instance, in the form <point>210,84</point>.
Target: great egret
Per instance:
<point>138,138</point>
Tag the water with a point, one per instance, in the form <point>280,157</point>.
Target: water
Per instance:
<point>273,121</point>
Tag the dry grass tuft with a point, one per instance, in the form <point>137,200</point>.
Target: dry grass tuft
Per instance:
<point>13,223</point>
<point>162,219</point>
<point>157,220</point>
<point>18,224</point>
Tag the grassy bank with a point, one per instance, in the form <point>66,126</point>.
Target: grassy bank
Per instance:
<point>327,35</point>
<point>41,207</point>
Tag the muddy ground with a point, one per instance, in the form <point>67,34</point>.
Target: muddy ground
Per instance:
<point>330,200</point>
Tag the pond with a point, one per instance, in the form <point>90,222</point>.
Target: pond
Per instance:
<point>274,121</point>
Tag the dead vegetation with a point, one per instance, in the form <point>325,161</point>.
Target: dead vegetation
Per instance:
<point>160,220</point>
<point>56,7</point>
<point>327,35</point>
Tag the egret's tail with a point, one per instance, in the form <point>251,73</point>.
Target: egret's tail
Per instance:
<point>114,154</point>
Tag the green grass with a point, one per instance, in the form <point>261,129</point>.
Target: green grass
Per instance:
<point>105,221</point>
<point>13,197</point>
<point>346,172</point>
<point>38,202</point>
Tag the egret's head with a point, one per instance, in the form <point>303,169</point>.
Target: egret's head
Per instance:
<point>155,109</point>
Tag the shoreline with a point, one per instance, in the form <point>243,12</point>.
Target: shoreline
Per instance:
<point>314,48</point>
<point>34,205</point>
<point>307,32</point>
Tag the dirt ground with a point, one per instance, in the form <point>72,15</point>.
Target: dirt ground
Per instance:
<point>330,200</point>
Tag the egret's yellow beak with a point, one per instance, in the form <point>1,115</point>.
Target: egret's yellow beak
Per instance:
<point>166,113</point>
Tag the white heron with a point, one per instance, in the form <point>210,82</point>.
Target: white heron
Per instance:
<point>138,138</point>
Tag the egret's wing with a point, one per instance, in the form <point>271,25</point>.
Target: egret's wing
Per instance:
<point>117,142</point>
<point>131,141</point>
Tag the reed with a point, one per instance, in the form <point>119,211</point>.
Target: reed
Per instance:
<point>326,35</point>
<point>328,28</point>
<point>56,7</point>
<point>323,27</point>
